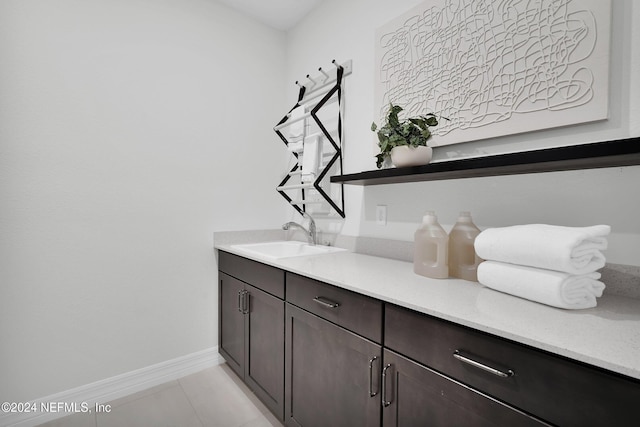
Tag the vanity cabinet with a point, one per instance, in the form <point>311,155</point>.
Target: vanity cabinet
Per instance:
<point>320,355</point>
<point>251,326</point>
<point>332,370</point>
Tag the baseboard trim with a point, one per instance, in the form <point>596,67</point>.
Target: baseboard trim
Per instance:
<point>106,390</point>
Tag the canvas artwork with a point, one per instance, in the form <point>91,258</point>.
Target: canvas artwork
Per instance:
<point>496,67</point>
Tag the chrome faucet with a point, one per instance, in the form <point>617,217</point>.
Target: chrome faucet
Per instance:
<point>311,232</point>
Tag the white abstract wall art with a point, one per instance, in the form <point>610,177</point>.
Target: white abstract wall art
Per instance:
<point>496,67</point>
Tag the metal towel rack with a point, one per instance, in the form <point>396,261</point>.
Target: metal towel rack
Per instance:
<point>328,86</point>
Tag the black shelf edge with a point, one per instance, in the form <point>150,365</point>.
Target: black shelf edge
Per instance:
<point>621,152</point>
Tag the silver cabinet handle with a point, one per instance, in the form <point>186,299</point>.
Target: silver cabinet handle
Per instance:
<point>240,301</point>
<point>245,302</point>
<point>371,392</point>
<point>325,302</point>
<point>385,402</point>
<point>482,366</point>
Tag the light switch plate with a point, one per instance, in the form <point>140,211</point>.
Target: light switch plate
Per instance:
<point>381,215</point>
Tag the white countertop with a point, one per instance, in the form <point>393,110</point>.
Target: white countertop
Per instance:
<point>607,336</point>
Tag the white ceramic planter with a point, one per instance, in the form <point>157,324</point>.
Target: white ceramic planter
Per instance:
<point>406,155</point>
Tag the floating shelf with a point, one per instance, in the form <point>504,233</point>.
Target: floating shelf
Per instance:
<point>622,152</point>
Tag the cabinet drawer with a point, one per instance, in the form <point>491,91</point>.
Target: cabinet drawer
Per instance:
<point>262,276</point>
<point>551,387</point>
<point>358,313</point>
<point>414,395</point>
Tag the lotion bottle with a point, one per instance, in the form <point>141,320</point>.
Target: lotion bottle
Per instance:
<point>463,261</point>
<point>430,249</point>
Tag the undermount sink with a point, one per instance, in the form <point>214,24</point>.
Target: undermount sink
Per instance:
<point>285,249</point>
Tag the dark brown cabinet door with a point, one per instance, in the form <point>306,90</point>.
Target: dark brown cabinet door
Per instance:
<point>231,322</point>
<point>330,373</point>
<point>251,338</point>
<point>264,360</point>
<point>414,395</point>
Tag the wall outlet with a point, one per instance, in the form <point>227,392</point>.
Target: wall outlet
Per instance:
<point>381,215</point>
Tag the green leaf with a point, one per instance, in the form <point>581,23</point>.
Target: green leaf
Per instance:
<point>395,109</point>
<point>374,126</point>
<point>397,139</point>
<point>393,115</point>
<point>432,121</point>
<point>419,122</point>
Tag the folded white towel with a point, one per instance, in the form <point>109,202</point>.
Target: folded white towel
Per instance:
<point>545,286</point>
<point>311,157</point>
<point>574,250</point>
<point>296,129</point>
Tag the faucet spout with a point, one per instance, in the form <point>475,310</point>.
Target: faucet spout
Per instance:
<point>310,233</point>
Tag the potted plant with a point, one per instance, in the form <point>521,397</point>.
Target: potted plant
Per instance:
<point>405,141</point>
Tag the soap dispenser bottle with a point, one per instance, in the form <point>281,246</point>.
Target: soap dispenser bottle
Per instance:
<point>430,249</point>
<point>463,261</point>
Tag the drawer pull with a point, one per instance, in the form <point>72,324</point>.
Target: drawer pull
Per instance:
<point>371,392</point>
<point>385,402</point>
<point>243,302</point>
<point>325,302</point>
<point>482,366</point>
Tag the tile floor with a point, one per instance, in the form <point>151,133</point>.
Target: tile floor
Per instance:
<point>214,397</point>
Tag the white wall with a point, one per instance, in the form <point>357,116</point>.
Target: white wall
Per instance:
<point>345,30</point>
<point>130,130</point>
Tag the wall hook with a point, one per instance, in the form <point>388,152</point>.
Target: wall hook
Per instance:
<point>298,83</point>
<point>311,80</point>
<point>326,76</point>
